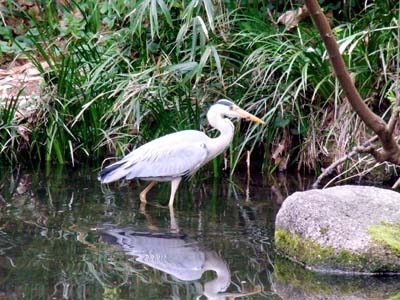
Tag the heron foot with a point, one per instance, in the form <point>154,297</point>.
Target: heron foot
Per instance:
<point>143,206</point>
<point>159,206</point>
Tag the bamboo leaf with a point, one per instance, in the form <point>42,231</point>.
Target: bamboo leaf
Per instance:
<point>217,61</point>
<point>153,19</point>
<point>203,61</point>
<point>199,21</point>
<point>188,12</point>
<point>165,11</point>
<point>210,13</point>
<point>183,67</point>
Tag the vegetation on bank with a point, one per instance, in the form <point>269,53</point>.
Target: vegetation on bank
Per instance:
<point>123,72</point>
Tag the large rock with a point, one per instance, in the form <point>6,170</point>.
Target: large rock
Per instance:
<point>352,229</point>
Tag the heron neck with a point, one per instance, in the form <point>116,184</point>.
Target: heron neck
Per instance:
<point>215,263</point>
<point>226,129</point>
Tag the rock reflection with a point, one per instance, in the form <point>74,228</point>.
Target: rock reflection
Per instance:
<point>175,254</point>
<point>291,281</point>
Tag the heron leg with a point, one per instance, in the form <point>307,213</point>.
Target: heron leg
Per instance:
<point>174,186</point>
<point>172,221</point>
<point>145,191</point>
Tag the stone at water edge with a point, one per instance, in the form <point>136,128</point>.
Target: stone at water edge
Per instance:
<point>352,229</point>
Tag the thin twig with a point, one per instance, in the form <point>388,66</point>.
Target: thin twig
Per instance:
<point>396,184</point>
<point>333,166</point>
<point>354,166</point>
<point>360,174</point>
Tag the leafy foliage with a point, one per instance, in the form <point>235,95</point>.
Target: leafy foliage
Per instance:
<point>121,73</point>
<point>291,74</point>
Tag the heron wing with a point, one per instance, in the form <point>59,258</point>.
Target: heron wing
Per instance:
<point>168,156</point>
<point>168,161</point>
<point>166,141</point>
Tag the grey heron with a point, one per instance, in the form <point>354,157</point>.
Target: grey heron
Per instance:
<point>176,155</point>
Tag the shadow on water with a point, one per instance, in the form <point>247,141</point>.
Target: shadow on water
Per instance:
<point>64,236</point>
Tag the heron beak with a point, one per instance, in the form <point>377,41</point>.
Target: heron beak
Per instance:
<point>246,115</point>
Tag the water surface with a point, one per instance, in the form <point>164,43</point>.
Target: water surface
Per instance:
<point>64,236</point>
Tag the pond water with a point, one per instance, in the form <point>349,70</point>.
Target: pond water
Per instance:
<point>64,236</point>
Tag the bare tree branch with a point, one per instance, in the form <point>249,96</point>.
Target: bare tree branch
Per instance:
<point>390,149</point>
<point>373,121</point>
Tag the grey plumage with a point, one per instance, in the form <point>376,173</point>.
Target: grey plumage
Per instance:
<point>179,154</point>
<point>162,159</point>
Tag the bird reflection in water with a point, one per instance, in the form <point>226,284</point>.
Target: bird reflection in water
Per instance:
<point>173,253</point>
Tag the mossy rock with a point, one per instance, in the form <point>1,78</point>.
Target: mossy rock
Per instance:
<point>351,229</point>
<point>387,234</point>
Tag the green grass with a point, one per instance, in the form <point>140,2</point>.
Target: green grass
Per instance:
<point>121,74</point>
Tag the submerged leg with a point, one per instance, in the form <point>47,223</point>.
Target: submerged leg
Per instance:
<point>151,224</point>
<point>172,221</point>
<point>145,191</point>
<point>174,186</point>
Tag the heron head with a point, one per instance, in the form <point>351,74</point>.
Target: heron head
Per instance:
<point>231,110</point>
